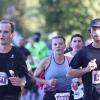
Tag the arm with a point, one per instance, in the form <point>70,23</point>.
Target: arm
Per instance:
<point>16,81</point>
<point>22,72</point>
<point>40,69</point>
<point>73,73</point>
<point>78,72</point>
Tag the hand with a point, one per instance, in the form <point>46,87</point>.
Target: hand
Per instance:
<point>52,83</point>
<point>74,86</point>
<point>16,81</point>
<point>91,65</point>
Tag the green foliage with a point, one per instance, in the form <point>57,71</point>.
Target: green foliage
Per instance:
<point>26,15</point>
<point>65,17</point>
<point>68,16</point>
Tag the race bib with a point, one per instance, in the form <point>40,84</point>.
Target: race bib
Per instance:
<point>3,78</point>
<point>62,96</point>
<point>96,77</point>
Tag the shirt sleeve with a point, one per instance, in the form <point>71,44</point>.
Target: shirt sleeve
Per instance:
<point>77,60</point>
<point>22,71</point>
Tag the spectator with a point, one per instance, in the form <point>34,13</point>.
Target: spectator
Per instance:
<point>77,42</point>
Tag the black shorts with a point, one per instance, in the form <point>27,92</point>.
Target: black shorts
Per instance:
<point>50,95</point>
<point>8,96</point>
<point>96,92</point>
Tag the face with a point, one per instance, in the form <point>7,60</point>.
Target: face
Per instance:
<point>58,46</point>
<point>76,43</point>
<point>95,33</point>
<point>21,41</point>
<point>5,34</point>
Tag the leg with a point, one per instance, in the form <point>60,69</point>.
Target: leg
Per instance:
<point>49,96</point>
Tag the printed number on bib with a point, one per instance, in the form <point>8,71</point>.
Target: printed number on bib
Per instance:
<point>96,77</point>
<point>62,96</point>
<point>3,78</point>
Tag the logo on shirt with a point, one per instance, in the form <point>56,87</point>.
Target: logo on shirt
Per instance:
<point>12,56</point>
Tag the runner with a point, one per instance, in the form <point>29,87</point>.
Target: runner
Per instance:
<point>13,69</point>
<point>89,59</point>
<point>55,68</point>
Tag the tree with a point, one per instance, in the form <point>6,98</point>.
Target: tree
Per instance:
<point>67,16</point>
<point>26,14</point>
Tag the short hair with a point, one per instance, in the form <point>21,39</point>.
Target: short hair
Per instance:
<point>77,35</point>
<point>9,22</point>
<point>36,36</point>
<point>59,37</point>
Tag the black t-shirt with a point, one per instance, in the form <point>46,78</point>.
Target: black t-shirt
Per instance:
<point>25,51</point>
<point>81,59</point>
<point>14,60</point>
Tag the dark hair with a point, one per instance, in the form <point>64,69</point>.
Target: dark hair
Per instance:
<point>77,35</point>
<point>59,36</point>
<point>9,22</point>
<point>89,30</point>
<point>36,36</point>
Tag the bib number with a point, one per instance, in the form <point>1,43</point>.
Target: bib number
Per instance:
<point>62,96</point>
<point>3,79</point>
<point>95,77</point>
